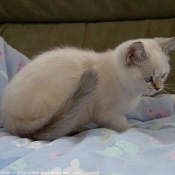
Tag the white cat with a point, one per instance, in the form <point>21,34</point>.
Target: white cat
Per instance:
<point>63,90</point>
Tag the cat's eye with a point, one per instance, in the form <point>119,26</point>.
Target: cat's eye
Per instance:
<point>163,76</point>
<point>148,79</point>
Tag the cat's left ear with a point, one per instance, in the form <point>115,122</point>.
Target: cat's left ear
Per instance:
<point>167,44</point>
<point>136,54</point>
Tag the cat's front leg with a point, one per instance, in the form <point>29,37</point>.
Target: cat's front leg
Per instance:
<point>118,123</point>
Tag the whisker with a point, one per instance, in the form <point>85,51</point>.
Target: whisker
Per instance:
<point>170,89</point>
<point>162,91</point>
<point>170,86</point>
<point>165,91</point>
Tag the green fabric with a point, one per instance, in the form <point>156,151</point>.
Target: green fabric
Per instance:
<point>30,39</point>
<point>84,10</point>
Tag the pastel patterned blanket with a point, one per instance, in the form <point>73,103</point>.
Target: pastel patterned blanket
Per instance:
<point>149,149</point>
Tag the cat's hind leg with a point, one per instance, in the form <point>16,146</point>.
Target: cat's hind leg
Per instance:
<point>66,118</point>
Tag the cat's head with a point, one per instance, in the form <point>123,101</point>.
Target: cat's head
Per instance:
<point>144,64</point>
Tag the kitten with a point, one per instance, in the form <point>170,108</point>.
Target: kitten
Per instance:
<point>63,90</point>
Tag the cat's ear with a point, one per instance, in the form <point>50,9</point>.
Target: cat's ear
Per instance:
<point>136,54</point>
<point>167,44</point>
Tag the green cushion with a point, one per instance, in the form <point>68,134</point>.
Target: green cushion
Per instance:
<point>84,10</point>
<point>30,39</point>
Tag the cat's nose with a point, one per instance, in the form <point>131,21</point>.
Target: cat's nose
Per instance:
<point>157,85</point>
<point>156,88</point>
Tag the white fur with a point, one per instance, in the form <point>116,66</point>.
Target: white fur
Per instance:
<point>38,89</point>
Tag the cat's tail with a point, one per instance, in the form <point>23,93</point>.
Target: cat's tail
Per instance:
<point>64,118</point>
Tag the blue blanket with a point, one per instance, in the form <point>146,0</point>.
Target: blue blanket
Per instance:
<point>149,149</point>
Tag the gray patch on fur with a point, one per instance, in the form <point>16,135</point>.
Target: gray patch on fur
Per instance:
<point>64,118</point>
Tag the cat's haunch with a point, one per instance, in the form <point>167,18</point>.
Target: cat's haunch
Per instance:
<point>62,90</point>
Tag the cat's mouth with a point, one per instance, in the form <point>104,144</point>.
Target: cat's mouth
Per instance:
<point>152,91</point>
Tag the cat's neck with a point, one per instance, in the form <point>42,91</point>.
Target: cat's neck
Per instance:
<point>112,78</point>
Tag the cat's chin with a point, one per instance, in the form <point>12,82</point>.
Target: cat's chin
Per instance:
<point>153,92</point>
<point>150,93</point>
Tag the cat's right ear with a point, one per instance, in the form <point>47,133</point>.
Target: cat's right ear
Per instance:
<point>136,54</point>
<point>167,44</point>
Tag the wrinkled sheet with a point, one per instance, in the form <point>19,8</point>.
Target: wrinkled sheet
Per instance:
<point>149,149</point>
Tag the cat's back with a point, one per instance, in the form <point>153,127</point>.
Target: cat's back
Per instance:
<point>61,64</point>
<point>43,84</point>
<point>67,56</point>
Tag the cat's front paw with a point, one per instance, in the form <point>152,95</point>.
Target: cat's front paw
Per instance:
<point>134,126</point>
<point>128,127</point>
